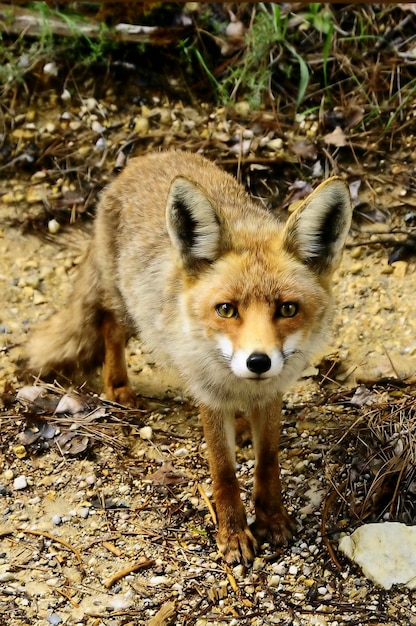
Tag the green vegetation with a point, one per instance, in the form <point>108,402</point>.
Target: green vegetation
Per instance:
<point>308,59</point>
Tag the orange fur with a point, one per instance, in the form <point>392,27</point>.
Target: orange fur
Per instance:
<point>218,289</point>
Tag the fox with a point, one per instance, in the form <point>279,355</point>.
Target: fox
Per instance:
<point>236,300</point>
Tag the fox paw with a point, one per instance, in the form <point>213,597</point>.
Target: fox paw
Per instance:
<point>276,529</point>
<point>122,395</point>
<point>238,547</point>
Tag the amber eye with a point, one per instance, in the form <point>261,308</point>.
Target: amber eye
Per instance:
<point>225,309</point>
<point>287,309</point>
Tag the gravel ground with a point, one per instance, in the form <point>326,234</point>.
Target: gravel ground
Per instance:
<point>105,512</point>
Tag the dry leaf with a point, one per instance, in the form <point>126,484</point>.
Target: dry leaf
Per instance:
<point>336,138</point>
<point>166,475</point>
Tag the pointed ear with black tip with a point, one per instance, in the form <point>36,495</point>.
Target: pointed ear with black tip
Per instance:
<point>317,230</point>
<point>193,223</point>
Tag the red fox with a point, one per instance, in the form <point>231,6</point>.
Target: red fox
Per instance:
<point>217,288</point>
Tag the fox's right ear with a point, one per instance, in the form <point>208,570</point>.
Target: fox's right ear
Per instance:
<point>193,222</point>
<point>316,231</point>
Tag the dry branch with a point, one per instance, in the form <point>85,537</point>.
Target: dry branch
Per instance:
<point>23,21</point>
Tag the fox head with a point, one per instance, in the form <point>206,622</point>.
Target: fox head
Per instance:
<point>256,288</point>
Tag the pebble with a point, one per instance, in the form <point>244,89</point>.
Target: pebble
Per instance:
<point>242,108</point>
<point>54,226</point>
<point>146,432</point>
<point>20,451</point>
<point>56,519</point>
<point>141,125</point>
<point>6,577</point>
<point>156,581</point>
<point>181,452</point>
<point>50,69</point>
<point>20,482</point>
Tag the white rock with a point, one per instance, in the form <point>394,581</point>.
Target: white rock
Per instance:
<point>385,552</point>
<point>66,95</point>
<point>155,581</point>
<point>54,226</point>
<point>181,452</point>
<point>50,69</point>
<point>20,482</point>
<point>146,432</point>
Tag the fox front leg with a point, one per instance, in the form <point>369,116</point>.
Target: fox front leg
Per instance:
<point>235,541</point>
<point>272,523</point>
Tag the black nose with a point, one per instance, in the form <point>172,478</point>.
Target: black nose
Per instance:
<point>258,363</point>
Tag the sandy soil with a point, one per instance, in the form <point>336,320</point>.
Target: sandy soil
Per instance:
<point>75,519</point>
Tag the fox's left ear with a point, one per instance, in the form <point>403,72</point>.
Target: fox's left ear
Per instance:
<point>193,222</point>
<point>317,230</point>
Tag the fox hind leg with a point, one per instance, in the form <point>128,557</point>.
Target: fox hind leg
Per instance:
<point>115,376</point>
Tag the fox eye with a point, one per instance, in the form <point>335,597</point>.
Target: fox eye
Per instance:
<point>287,309</point>
<point>225,309</point>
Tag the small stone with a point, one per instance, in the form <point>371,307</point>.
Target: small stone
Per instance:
<point>279,568</point>
<point>165,116</point>
<point>54,226</point>
<point>20,451</point>
<point>356,252</point>
<point>91,104</point>
<point>156,581</point>
<point>6,577</point>
<point>293,570</point>
<point>38,297</point>
<point>275,144</point>
<point>20,482</point>
<point>56,519</point>
<point>400,268</point>
<point>141,125</point>
<point>54,619</point>
<point>356,268</point>
<point>97,127</point>
<point>50,69</point>
<point>242,108</point>
<point>66,95</point>
<point>101,143</point>
<point>146,432</point>
<point>181,452</point>
<point>274,580</point>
